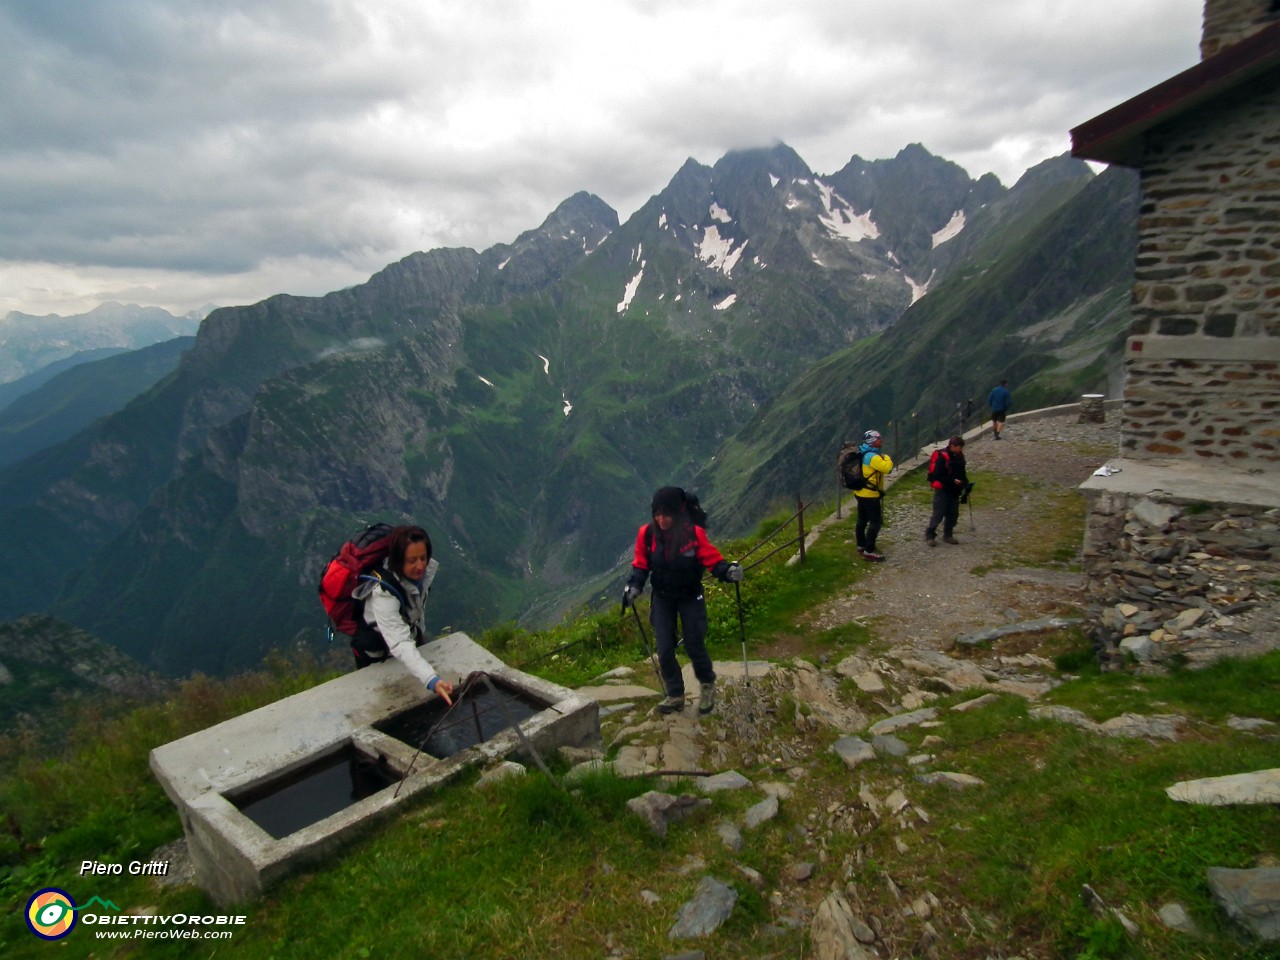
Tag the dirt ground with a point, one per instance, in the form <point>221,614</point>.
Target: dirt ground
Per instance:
<point>927,596</point>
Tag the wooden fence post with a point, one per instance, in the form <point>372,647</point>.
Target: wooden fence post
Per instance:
<point>800,517</point>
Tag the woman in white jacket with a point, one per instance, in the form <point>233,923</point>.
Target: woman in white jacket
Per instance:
<point>393,598</point>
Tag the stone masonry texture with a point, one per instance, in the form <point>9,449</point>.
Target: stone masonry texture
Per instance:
<point>1230,21</point>
<point>1207,276</point>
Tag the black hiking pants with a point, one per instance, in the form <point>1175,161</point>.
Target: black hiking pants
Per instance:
<point>692,613</point>
<point>946,510</point>
<point>870,515</point>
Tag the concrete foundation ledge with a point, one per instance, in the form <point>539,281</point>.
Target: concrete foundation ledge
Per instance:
<point>1183,481</point>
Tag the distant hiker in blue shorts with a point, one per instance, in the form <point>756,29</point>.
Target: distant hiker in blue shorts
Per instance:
<point>999,400</point>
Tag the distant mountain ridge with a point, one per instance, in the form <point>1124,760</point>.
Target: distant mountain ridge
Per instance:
<point>28,343</point>
<point>521,402</point>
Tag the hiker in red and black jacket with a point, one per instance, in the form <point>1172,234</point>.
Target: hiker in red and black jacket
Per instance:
<point>947,476</point>
<point>675,551</point>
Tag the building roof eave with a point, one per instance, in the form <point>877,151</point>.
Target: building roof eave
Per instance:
<point>1117,135</point>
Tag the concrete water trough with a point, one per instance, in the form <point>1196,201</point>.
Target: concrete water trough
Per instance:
<point>286,784</point>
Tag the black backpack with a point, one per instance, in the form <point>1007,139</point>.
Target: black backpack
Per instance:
<point>849,466</point>
<point>694,509</point>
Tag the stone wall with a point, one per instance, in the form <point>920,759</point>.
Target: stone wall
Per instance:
<point>1203,409</point>
<point>1230,21</point>
<point>1180,578</point>
<point>1204,346</point>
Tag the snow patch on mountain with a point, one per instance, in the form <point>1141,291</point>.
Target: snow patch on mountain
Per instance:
<point>842,220</point>
<point>718,252</point>
<point>918,290</point>
<point>951,230</point>
<point>632,286</point>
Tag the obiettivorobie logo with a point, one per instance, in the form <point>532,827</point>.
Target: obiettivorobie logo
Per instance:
<point>52,915</point>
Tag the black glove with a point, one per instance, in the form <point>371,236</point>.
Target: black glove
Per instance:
<point>630,594</point>
<point>964,494</point>
<point>733,573</point>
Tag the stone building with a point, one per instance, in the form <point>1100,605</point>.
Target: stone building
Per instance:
<point>1187,519</point>
<point>1203,354</point>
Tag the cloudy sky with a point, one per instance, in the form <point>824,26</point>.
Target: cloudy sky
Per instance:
<point>183,152</point>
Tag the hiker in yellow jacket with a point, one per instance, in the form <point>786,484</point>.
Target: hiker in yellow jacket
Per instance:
<point>875,467</point>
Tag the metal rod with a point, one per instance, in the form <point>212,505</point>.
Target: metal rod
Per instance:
<point>537,757</point>
<point>648,650</point>
<point>767,538</point>
<point>769,554</point>
<point>475,716</point>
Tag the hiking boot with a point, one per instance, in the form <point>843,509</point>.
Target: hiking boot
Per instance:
<point>930,540</point>
<point>872,557</point>
<point>949,539</point>
<point>671,705</point>
<point>707,697</point>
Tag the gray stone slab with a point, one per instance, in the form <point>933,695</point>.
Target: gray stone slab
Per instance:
<point>853,751</point>
<point>762,812</point>
<point>728,780</point>
<point>729,670</point>
<point>710,907</point>
<point>1038,625</point>
<point>900,721</point>
<point>612,693</point>
<point>1262,786</point>
<point>1250,897</point>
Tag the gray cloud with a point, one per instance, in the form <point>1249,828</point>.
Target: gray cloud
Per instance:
<point>185,151</point>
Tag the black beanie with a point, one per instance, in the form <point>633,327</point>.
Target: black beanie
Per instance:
<point>668,500</point>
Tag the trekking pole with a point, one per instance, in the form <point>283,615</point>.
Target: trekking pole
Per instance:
<point>742,627</point>
<point>648,651</point>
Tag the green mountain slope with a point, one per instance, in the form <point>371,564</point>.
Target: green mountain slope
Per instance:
<point>74,398</point>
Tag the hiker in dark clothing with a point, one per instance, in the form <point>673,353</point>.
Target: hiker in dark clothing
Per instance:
<point>999,400</point>
<point>947,476</point>
<point>675,551</point>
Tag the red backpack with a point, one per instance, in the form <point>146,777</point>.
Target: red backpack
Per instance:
<point>358,555</point>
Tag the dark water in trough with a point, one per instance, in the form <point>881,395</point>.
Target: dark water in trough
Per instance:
<point>478,716</point>
<point>313,792</point>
